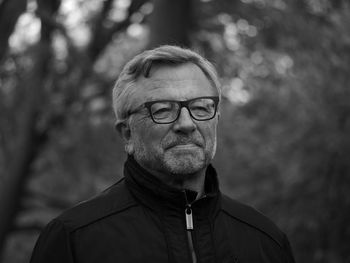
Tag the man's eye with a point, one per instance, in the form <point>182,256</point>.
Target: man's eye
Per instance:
<point>201,111</point>
<point>200,108</point>
<point>207,107</point>
<point>162,110</point>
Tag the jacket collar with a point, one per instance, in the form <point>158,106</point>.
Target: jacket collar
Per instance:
<point>153,193</point>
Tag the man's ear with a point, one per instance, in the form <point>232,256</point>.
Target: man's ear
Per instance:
<point>125,132</point>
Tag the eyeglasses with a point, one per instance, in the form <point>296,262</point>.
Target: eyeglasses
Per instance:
<point>168,111</point>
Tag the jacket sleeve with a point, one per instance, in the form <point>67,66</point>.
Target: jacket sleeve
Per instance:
<point>53,245</point>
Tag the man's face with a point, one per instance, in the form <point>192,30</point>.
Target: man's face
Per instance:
<point>180,149</point>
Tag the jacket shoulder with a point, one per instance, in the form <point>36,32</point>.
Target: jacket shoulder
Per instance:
<point>252,217</point>
<point>114,199</point>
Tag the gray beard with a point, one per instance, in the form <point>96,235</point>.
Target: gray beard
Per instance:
<point>173,165</point>
<point>172,168</point>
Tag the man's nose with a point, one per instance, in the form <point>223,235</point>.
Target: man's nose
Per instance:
<point>184,123</point>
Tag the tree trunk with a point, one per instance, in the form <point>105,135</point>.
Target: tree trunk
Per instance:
<point>28,142</point>
<point>171,23</point>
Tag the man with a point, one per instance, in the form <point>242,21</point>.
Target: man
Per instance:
<point>168,207</point>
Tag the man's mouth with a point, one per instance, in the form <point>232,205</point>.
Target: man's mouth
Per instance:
<point>183,143</point>
<point>185,146</point>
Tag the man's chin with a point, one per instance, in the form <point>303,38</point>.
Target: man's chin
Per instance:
<point>184,161</point>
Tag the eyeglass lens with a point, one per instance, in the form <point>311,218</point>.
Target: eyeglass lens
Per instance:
<point>168,111</point>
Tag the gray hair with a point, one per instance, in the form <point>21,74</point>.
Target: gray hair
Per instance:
<point>142,64</point>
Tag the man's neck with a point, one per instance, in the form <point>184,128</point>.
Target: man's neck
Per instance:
<point>195,184</point>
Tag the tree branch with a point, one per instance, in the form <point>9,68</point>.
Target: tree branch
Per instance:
<point>105,34</point>
<point>10,10</point>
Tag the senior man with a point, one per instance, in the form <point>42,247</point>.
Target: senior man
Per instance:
<point>167,207</point>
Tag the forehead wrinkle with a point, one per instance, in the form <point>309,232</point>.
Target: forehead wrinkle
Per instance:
<point>155,85</point>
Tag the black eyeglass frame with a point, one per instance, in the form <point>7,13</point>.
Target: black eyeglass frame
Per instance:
<point>182,104</point>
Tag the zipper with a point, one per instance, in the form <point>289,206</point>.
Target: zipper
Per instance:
<point>189,229</point>
<point>189,217</point>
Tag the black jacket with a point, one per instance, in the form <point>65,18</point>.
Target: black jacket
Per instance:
<point>139,219</point>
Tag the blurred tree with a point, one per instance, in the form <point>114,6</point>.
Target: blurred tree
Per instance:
<point>29,139</point>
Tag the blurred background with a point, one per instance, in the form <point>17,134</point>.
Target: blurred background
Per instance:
<point>284,136</point>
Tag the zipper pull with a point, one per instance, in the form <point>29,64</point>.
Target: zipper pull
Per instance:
<point>189,219</point>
